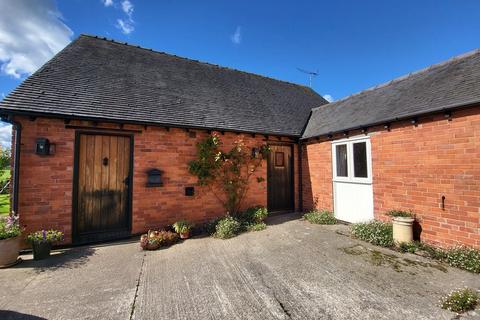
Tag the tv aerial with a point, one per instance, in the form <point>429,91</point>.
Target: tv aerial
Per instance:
<point>311,74</point>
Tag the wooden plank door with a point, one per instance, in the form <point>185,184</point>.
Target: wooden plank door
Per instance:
<point>103,175</point>
<point>280,179</point>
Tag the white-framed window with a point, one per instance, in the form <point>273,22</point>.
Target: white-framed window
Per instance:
<point>352,160</point>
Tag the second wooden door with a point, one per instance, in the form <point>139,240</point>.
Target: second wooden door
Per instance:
<point>280,179</point>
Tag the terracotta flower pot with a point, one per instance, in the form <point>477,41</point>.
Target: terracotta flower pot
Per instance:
<point>41,250</point>
<point>9,249</point>
<point>185,235</point>
<point>403,229</point>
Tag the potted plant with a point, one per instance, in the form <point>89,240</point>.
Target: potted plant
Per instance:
<point>156,239</point>
<point>10,240</point>
<point>183,228</point>
<point>42,242</point>
<point>402,225</point>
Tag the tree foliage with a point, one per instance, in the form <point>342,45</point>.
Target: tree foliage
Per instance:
<point>5,156</point>
<point>226,173</point>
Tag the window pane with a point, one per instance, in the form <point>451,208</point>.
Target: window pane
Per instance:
<point>360,160</point>
<point>341,153</point>
<point>279,159</point>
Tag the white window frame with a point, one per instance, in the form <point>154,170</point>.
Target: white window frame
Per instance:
<point>349,142</point>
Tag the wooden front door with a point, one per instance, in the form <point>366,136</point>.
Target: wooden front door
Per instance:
<point>280,179</point>
<point>103,175</point>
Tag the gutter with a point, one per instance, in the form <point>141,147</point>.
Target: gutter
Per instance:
<point>16,160</point>
<point>446,109</point>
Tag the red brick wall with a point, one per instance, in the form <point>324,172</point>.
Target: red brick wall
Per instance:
<point>317,176</point>
<point>45,194</point>
<point>171,151</point>
<point>413,167</point>
<point>45,182</point>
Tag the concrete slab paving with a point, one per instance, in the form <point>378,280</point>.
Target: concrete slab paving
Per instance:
<point>292,270</point>
<point>89,282</point>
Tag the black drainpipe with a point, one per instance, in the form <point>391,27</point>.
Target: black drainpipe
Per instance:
<point>300,178</point>
<point>16,160</point>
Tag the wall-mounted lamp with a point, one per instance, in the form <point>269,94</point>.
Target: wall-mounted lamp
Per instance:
<point>364,130</point>
<point>448,115</point>
<point>414,121</point>
<point>43,147</point>
<point>345,133</point>
<point>330,136</point>
<point>386,126</point>
<point>255,152</point>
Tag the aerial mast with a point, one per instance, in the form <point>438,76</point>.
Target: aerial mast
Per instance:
<point>311,74</point>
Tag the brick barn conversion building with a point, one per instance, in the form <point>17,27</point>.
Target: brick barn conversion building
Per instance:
<point>100,122</point>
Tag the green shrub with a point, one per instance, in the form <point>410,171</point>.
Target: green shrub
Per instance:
<point>375,232</point>
<point>210,226</point>
<point>431,251</point>
<point>464,258</point>
<point>400,213</point>
<point>461,257</point>
<point>320,217</point>
<point>227,227</point>
<point>410,247</point>
<point>460,300</point>
<point>259,226</point>
<point>182,226</point>
<point>254,215</point>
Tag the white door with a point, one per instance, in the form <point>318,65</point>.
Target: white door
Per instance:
<point>352,179</point>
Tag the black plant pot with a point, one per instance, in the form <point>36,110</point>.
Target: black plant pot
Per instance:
<point>41,250</point>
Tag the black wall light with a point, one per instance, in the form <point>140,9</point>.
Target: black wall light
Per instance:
<point>255,152</point>
<point>42,146</point>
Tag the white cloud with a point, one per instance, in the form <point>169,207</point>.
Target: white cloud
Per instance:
<point>126,25</point>
<point>31,32</point>
<point>5,135</point>
<point>236,37</point>
<point>328,97</point>
<point>127,7</point>
<point>107,3</point>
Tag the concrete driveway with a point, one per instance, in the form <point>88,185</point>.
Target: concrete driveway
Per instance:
<point>292,270</point>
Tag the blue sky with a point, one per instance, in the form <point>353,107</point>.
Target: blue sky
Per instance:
<point>353,44</point>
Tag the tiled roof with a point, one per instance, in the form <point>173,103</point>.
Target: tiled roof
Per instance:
<point>450,84</point>
<point>101,79</point>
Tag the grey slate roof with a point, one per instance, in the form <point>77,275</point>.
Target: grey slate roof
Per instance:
<point>101,79</point>
<point>450,84</point>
